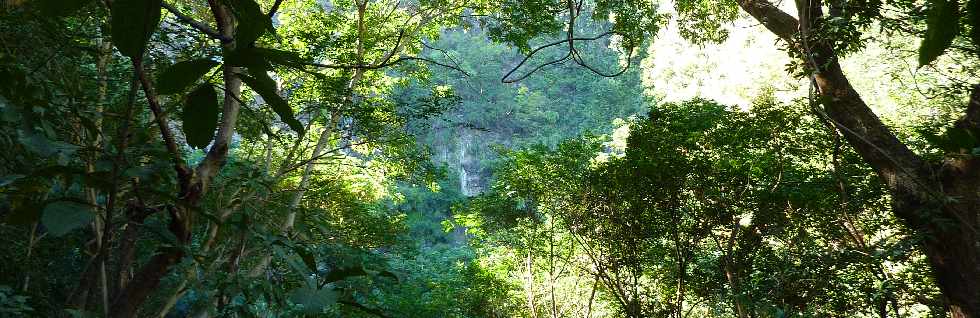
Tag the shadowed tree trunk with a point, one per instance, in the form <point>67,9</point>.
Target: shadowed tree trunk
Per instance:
<point>193,183</point>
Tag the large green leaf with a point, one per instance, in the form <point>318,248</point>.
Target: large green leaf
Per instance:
<point>941,27</point>
<point>61,7</point>
<point>133,22</point>
<point>313,300</point>
<point>266,87</point>
<point>252,23</point>
<point>200,115</point>
<point>259,57</point>
<point>61,217</point>
<point>249,57</point>
<point>339,274</point>
<point>179,76</point>
<point>308,259</point>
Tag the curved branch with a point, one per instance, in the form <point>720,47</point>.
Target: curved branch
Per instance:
<point>578,60</point>
<point>538,49</point>
<point>534,70</point>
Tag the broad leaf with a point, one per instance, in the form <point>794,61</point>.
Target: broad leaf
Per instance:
<point>941,27</point>
<point>200,116</point>
<point>313,300</point>
<point>259,57</point>
<point>252,23</point>
<point>9,179</point>
<point>339,274</point>
<point>179,76</point>
<point>307,257</point>
<point>281,57</point>
<point>61,217</point>
<point>60,8</point>
<point>249,57</point>
<point>266,87</point>
<point>133,22</point>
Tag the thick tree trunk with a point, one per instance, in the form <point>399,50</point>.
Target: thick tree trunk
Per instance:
<point>939,203</point>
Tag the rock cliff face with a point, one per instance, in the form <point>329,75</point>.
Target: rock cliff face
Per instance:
<point>471,180</point>
<point>463,154</point>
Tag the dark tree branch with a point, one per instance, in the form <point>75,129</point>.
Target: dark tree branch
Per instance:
<point>506,78</point>
<point>274,9</point>
<point>180,166</point>
<point>971,118</point>
<point>196,24</point>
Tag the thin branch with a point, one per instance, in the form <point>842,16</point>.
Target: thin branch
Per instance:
<point>161,120</point>
<point>196,24</point>
<point>506,78</point>
<point>534,70</point>
<point>578,60</point>
<point>448,57</point>
<point>386,64</point>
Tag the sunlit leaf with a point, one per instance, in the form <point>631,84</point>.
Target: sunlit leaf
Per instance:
<point>266,87</point>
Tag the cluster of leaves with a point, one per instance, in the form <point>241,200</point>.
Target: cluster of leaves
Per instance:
<point>710,210</point>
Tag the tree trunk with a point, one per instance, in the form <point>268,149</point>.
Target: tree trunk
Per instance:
<point>937,202</point>
<point>193,184</point>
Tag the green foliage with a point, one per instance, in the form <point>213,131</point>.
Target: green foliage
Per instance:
<point>61,217</point>
<point>11,304</point>
<point>735,206</point>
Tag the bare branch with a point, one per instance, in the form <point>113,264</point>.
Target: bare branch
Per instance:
<point>506,77</point>
<point>161,119</point>
<point>386,64</point>
<point>196,24</point>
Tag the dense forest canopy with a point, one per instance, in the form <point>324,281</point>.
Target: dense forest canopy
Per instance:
<point>490,158</point>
